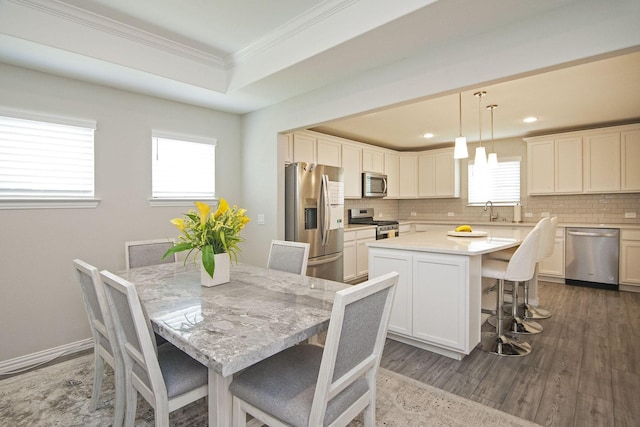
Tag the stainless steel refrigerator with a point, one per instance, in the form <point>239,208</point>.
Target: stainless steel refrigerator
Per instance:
<point>314,213</point>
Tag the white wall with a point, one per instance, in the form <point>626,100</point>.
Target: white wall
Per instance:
<point>571,34</point>
<point>40,302</point>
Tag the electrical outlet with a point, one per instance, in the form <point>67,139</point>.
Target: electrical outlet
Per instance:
<point>630,215</point>
<point>545,214</point>
<point>528,215</point>
<point>413,214</point>
<point>260,219</point>
<point>451,214</point>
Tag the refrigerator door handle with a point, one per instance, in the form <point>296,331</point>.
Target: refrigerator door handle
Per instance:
<point>325,209</point>
<point>324,260</point>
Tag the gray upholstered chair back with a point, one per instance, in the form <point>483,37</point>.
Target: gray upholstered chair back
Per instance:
<point>134,333</point>
<point>148,252</point>
<point>291,257</point>
<point>355,340</point>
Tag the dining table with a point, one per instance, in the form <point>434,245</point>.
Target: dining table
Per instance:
<point>232,326</point>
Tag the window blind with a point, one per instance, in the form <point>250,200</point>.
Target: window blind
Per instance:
<point>42,160</point>
<point>182,169</point>
<point>501,184</point>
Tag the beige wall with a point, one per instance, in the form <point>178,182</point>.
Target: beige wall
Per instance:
<point>40,302</point>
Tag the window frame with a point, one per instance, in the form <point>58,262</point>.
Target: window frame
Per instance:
<point>470,166</point>
<point>179,201</point>
<point>53,202</point>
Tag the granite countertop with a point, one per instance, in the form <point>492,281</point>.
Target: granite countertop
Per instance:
<point>518,224</point>
<point>232,326</point>
<point>436,240</point>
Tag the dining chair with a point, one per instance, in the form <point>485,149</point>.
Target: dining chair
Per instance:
<point>519,268</point>
<point>308,385</point>
<point>105,348</point>
<point>148,252</point>
<point>166,377</point>
<point>288,256</point>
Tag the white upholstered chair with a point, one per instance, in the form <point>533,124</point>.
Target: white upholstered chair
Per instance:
<point>105,347</point>
<point>519,268</point>
<point>165,376</point>
<point>148,252</point>
<point>307,385</point>
<point>289,256</point>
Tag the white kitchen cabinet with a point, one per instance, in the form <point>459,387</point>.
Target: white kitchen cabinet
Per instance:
<point>401,320</point>
<point>602,162</point>
<point>408,176</point>
<point>372,160</point>
<point>630,260</point>
<point>304,148</point>
<point>349,255</point>
<point>438,174</point>
<point>356,257</point>
<point>329,152</point>
<point>592,161</point>
<point>554,166</point>
<point>392,170</point>
<point>554,264</point>
<point>352,167</point>
<point>630,159</point>
<point>285,143</point>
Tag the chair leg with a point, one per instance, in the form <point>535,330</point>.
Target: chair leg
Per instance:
<point>120,400</point>
<point>98,375</point>
<point>519,326</point>
<point>370,414</point>
<point>498,343</point>
<point>130,406</point>
<point>239,415</point>
<point>531,312</point>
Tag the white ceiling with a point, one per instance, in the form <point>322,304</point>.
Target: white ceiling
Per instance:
<point>240,56</point>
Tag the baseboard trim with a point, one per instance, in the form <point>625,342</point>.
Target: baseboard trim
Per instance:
<point>29,360</point>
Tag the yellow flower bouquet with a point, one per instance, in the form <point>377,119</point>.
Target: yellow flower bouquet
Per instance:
<point>210,233</point>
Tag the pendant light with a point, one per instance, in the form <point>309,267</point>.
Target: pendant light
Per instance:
<point>460,150</point>
<point>481,154</point>
<point>492,159</point>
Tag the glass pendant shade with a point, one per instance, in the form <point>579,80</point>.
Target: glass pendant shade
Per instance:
<point>460,151</point>
<point>492,160</point>
<point>481,157</point>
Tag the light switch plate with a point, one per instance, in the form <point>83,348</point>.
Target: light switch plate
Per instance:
<point>413,214</point>
<point>545,214</point>
<point>630,215</point>
<point>260,219</point>
<point>528,215</point>
<point>451,214</point>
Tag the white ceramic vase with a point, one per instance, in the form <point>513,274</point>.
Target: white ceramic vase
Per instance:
<point>220,274</point>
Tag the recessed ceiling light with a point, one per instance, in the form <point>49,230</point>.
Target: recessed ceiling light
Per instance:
<point>428,135</point>
<point>530,119</point>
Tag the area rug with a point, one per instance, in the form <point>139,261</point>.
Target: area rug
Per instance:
<point>58,395</point>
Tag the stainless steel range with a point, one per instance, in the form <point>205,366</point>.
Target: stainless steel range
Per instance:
<point>365,217</point>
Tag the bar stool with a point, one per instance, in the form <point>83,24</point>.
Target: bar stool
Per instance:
<point>519,268</point>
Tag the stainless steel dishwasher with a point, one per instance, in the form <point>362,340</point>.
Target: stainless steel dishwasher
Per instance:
<point>591,257</point>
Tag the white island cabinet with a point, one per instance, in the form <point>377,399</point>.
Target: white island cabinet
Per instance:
<point>438,297</point>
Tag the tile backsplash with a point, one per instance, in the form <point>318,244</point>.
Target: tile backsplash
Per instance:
<point>581,208</point>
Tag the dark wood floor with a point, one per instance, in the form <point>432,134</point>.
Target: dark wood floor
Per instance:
<point>584,369</point>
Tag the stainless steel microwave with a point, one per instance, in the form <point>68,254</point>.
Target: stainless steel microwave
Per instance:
<point>374,184</point>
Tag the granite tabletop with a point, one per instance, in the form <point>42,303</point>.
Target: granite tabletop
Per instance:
<point>232,326</point>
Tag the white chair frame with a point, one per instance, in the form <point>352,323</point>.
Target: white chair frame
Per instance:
<point>325,388</point>
<point>156,395</point>
<point>298,245</point>
<point>102,330</point>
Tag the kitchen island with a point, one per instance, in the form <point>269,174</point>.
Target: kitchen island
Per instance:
<point>437,305</point>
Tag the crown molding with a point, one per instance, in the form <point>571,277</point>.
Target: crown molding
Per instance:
<point>115,28</point>
<point>311,17</point>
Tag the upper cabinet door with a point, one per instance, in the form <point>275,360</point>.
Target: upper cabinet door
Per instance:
<point>329,152</point>
<point>392,170</point>
<point>372,161</point>
<point>540,170</point>
<point>408,176</point>
<point>602,162</point>
<point>304,148</point>
<point>630,160</point>
<point>568,165</point>
<point>426,175</point>
<point>352,166</point>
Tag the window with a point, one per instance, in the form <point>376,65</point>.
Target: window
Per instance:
<point>182,169</point>
<point>40,160</point>
<point>501,184</point>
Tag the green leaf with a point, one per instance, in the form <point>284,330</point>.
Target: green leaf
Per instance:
<point>177,248</point>
<point>208,259</point>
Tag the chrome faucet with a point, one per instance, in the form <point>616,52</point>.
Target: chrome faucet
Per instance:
<point>490,204</point>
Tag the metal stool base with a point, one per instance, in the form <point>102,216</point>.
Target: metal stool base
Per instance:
<point>503,346</point>
<point>519,326</point>
<point>531,312</point>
